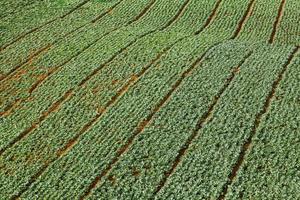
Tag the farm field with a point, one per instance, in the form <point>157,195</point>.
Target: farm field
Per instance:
<point>150,99</point>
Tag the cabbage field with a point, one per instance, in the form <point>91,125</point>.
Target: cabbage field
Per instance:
<point>150,99</point>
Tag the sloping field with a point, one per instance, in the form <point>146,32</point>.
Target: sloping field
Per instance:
<point>150,99</point>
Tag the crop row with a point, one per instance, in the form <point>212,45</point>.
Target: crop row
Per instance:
<point>39,103</point>
<point>77,22</point>
<point>63,88</point>
<point>121,121</point>
<point>27,82</point>
<point>206,169</point>
<point>42,73</point>
<point>57,57</point>
<point>36,15</point>
<point>26,46</point>
<point>170,127</point>
<point>289,29</point>
<point>180,46</point>
<point>271,167</point>
<point>112,101</point>
<point>263,16</point>
<point>11,7</point>
<point>66,79</point>
<point>38,154</point>
<point>31,138</point>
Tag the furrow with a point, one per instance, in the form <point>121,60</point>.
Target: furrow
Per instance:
<point>211,17</point>
<point>248,141</point>
<point>177,16</point>
<point>277,21</point>
<point>17,196</point>
<point>56,69</point>
<point>120,93</point>
<point>289,29</point>
<point>71,143</point>
<point>23,35</point>
<point>81,84</point>
<point>69,146</point>
<point>106,12</point>
<point>141,127</point>
<point>54,107</point>
<point>15,9</point>
<point>102,15</point>
<point>144,11</point>
<point>44,78</point>
<point>35,85</point>
<point>27,61</point>
<point>39,27</point>
<point>94,72</point>
<point>245,18</point>
<point>92,21</point>
<point>128,119</point>
<point>67,34</point>
<point>8,109</point>
<point>202,121</point>
<point>75,8</point>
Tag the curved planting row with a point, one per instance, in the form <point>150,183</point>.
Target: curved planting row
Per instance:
<point>58,57</point>
<point>209,163</point>
<point>25,179</point>
<point>65,80</point>
<point>288,31</point>
<point>35,16</point>
<point>62,31</point>
<point>87,128</point>
<point>271,166</point>
<point>139,173</point>
<point>153,43</point>
<point>263,16</point>
<point>142,101</point>
<point>11,7</point>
